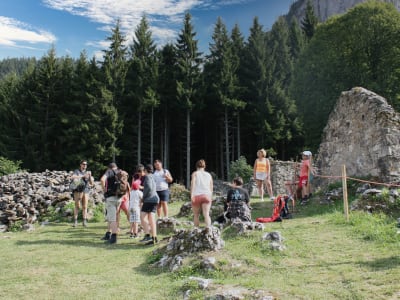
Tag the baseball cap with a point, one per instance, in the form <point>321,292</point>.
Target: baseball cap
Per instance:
<point>307,153</point>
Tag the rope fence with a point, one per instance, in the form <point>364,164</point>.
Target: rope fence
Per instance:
<point>344,179</point>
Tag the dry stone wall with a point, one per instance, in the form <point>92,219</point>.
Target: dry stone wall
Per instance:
<point>363,133</point>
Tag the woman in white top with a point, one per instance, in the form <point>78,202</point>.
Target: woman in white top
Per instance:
<point>201,189</point>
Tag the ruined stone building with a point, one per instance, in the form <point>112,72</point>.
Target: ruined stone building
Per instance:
<point>363,133</point>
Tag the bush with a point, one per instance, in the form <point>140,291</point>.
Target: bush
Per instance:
<point>240,168</point>
<point>9,167</point>
<point>179,193</point>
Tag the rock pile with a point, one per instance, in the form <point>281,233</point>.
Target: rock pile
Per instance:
<point>275,240</point>
<point>24,197</point>
<point>187,242</point>
<point>246,227</point>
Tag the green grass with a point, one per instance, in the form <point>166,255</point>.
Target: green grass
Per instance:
<point>326,258</point>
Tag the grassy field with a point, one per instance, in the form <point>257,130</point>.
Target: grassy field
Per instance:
<point>326,258</point>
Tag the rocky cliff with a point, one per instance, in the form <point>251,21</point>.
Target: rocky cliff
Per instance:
<point>327,8</point>
<point>363,133</point>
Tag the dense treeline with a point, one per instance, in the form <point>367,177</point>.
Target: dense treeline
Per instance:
<point>140,103</point>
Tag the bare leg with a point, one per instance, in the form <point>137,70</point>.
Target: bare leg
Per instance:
<point>206,213</point>
<point>269,187</point>
<point>260,189</point>
<point>164,205</point>
<point>152,223</point>
<point>145,223</point>
<point>196,212</point>
<point>85,200</point>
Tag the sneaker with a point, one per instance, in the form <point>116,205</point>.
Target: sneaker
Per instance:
<point>85,223</point>
<point>146,238</point>
<point>75,223</point>
<point>133,236</point>
<point>272,198</point>
<point>152,241</point>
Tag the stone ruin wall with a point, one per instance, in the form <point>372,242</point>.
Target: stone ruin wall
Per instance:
<point>362,133</point>
<point>281,172</point>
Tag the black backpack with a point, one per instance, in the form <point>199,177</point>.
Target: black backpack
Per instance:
<point>118,185</point>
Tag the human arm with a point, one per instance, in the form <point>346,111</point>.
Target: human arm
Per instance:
<point>103,181</point>
<point>168,177</point>
<point>192,182</point>
<point>211,186</point>
<point>254,169</point>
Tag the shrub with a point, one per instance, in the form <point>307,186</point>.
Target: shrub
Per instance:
<point>240,168</point>
<point>9,166</point>
<point>179,193</point>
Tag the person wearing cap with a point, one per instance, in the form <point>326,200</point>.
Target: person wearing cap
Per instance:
<point>305,169</point>
<point>135,198</point>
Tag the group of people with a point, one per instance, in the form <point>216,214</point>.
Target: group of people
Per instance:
<point>149,194</point>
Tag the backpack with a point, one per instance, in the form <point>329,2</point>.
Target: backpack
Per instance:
<point>280,210</point>
<point>77,185</point>
<point>118,184</point>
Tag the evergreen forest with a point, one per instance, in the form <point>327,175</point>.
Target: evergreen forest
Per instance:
<point>273,90</point>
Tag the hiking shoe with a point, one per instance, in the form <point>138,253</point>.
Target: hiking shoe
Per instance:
<point>146,238</point>
<point>107,236</point>
<point>152,241</point>
<point>113,239</point>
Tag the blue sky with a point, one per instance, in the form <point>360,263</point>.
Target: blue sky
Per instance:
<point>30,27</point>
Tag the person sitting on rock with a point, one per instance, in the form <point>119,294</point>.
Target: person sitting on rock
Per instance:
<point>238,201</point>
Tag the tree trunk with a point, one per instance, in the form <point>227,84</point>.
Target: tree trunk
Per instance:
<point>187,148</point>
<point>139,144</point>
<point>226,143</point>
<point>152,136</point>
<point>238,135</point>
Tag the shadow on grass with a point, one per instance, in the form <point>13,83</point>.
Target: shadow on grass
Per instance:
<point>386,263</point>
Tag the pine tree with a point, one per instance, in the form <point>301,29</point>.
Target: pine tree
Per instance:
<point>189,60</point>
<point>310,21</point>
<point>222,65</point>
<point>142,78</point>
<point>115,68</point>
<point>167,91</point>
<point>256,78</point>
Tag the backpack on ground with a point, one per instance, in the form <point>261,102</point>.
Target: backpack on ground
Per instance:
<point>280,210</point>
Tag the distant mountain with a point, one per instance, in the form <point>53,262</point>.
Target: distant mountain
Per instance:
<point>327,8</point>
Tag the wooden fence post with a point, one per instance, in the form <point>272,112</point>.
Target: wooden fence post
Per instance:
<point>345,199</point>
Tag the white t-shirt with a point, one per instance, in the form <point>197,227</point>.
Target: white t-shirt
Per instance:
<point>159,178</point>
<point>134,199</point>
<point>202,183</point>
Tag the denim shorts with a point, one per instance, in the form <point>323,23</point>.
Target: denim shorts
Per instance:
<point>164,195</point>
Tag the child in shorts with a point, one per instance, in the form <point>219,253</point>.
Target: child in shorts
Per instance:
<point>135,199</point>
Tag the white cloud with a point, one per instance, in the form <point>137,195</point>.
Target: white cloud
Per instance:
<point>165,16</point>
<point>13,33</point>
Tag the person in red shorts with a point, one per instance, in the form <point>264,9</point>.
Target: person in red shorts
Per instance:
<point>201,189</point>
<point>305,169</point>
